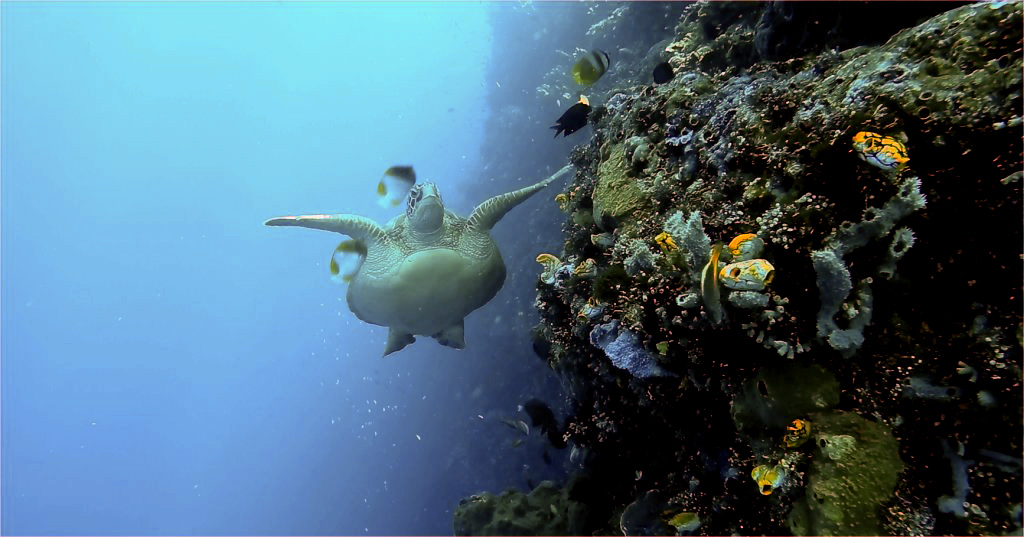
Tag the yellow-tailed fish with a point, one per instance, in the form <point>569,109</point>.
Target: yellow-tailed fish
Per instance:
<point>882,151</point>
<point>394,185</point>
<point>591,67</point>
<point>346,260</point>
<point>709,284</point>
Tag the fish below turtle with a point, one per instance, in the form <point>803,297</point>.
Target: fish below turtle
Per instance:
<point>427,268</point>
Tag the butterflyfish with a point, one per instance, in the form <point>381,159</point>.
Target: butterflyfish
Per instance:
<point>590,67</point>
<point>346,260</point>
<point>394,185</point>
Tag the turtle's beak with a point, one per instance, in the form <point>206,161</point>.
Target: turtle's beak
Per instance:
<point>430,193</point>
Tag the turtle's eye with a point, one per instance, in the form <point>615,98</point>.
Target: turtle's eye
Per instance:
<point>415,195</point>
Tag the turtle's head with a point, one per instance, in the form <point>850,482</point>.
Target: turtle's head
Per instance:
<point>425,210</point>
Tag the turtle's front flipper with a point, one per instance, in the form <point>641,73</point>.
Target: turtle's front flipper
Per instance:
<point>454,336</point>
<point>489,212</point>
<point>397,340</point>
<point>357,227</point>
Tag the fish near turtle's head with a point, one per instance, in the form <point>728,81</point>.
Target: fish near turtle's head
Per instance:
<point>425,210</point>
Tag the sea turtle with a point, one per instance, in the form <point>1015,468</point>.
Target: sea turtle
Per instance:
<point>426,269</point>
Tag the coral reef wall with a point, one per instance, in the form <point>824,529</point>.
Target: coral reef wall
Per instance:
<point>789,291</point>
<point>517,149</point>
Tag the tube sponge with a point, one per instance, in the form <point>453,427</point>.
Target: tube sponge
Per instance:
<point>877,222</point>
<point>849,340</point>
<point>834,285</point>
<point>902,240</point>
<point>624,350</point>
<point>954,504</point>
<point>833,278</point>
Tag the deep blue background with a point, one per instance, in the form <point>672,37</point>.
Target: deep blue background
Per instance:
<point>169,364</point>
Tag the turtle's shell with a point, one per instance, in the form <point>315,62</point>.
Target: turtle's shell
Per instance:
<point>425,285</point>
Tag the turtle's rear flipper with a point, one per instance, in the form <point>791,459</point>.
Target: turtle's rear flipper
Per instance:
<point>454,336</point>
<point>397,340</point>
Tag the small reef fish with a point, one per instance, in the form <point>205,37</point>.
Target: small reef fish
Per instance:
<point>573,119</point>
<point>518,425</point>
<point>345,266</point>
<point>709,285</point>
<point>395,184</point>
<point>663,73</point>
<point>576,454</point>
<point>591,67</point>
<point>884,152</point>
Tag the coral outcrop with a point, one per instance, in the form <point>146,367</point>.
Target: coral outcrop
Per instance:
<point>890,318</point>
<point>546,510</point>
<point>854,469</point>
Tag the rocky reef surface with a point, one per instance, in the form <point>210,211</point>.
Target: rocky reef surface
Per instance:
<point>762,328</point>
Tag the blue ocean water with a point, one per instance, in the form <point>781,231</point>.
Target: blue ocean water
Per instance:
<point>172,366</point>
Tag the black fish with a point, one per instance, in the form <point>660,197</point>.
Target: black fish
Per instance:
<point>544,420</point>
<point>573,119</point>
<point>663,73</point>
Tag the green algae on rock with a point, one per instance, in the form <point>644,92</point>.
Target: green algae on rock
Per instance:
<point>617,197</point>
<point>854,469</point>
<point>777,395</point>
<point>546,510</point>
